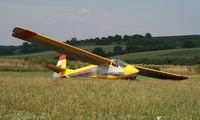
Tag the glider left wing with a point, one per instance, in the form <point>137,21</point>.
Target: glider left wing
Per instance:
<point>58,46</point>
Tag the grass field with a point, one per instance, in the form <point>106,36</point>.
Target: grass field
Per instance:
<point>38,96</point>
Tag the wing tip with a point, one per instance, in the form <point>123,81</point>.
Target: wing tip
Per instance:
<point>18,29</point>
<point>22,33</point>
<point>183,77</point>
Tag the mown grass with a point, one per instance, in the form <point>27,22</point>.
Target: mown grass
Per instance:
<point>40,97</point>
<point>184,53</point>
<point>181,53</point>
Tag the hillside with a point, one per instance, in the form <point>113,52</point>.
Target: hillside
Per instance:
<point>52,54</point>
<point>125,44</point>
<point>184,56</point>
<point>133,49</point>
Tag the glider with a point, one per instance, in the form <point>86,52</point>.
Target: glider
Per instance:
<point>101,67</point>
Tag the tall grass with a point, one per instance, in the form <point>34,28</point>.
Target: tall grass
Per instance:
<point>36,64</point>
<point>181,69</point>
<point>44,98</point>
<point>21,65</point>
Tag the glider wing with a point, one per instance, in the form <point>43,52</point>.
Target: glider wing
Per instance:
<point>58,46</point>
<point>159,74</point>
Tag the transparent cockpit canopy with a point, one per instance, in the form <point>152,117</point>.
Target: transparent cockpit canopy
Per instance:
<point>119,63</point>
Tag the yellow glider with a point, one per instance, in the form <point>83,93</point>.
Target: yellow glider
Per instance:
<point>101,68</point>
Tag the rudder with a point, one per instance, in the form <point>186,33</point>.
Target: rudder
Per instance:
<point>61,63</point>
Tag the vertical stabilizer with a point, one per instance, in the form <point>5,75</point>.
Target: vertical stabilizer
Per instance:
<point>61,63</point>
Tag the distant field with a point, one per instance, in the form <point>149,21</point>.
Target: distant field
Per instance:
<point>187,52</point>
<point>38,96</point>
<point>182,53</point>
<point>46,54</point>
<point>52,54</point>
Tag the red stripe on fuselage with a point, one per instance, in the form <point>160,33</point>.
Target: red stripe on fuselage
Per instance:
<point>26,34</point>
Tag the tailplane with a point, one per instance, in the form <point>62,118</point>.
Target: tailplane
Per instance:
<point>59,68</point>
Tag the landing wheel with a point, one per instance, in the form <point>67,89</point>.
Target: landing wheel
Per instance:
<point>133,77</point>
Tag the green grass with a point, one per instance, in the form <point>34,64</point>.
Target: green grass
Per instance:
<point>184,53</point>
<point>41,97</point>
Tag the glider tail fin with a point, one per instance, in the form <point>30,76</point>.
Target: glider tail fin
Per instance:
<point>62,61</point>
<point>61,64</point>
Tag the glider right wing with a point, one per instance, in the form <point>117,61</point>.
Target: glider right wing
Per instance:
<point>159,74</point>
<point>58,46</point>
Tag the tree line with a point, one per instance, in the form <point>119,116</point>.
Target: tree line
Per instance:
<point>123,44</point>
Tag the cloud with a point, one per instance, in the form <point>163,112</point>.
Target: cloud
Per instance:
<point>83,11</point>
<point>83,14</point>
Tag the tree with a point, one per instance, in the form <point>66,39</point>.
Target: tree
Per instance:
<point>67,41</point>
<point>126,37</point>
<point>97,39</point>
<point>148,35</point>
<point>103,41</point>
<point>117,48</point>
<point>74,41</point>
<point>118,38</point>
<point>25,45</point>
<point>137,36</point>
<point>188,44</point>
<point>99,51</point>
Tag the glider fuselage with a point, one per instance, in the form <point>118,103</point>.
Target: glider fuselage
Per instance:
<point>103,71</point>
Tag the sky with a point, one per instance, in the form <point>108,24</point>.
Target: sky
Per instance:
<point>85,19</point>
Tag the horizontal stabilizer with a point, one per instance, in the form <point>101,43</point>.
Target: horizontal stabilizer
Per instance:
<point>54,68</point>
<point>159,74</point>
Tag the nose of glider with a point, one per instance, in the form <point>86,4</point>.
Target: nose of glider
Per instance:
<point>130,70</point>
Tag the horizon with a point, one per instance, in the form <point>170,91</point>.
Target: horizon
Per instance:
<point>106,36</point>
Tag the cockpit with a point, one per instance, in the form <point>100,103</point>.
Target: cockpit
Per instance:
<point>119,63</point>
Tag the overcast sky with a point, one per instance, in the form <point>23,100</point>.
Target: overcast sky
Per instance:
<point>64,19</point>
